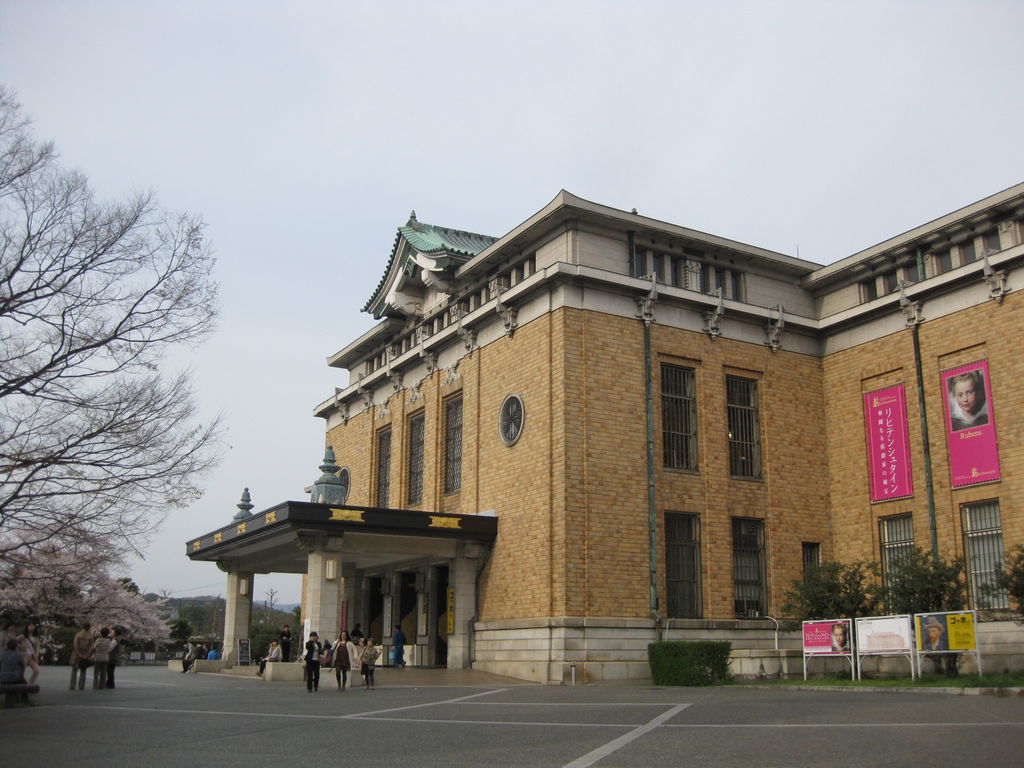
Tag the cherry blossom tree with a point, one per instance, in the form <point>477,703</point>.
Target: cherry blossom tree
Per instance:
<point>66,586</point>
<point>97,439</point>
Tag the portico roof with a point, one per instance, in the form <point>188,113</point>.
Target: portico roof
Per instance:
<point>278,539</point>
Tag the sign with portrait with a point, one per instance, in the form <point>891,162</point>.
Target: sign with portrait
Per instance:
<point>970,425</point>
<point>942,632</point>
<point>885,416</point>
<point>829,636</point>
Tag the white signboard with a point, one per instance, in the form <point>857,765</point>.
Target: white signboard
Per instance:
<point>884,634</point>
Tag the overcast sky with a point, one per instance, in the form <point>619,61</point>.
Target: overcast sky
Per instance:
<point>304,133</point>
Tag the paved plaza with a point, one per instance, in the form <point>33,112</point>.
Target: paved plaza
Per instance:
<point>157,718</point>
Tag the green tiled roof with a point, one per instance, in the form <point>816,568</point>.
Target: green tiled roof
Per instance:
<point>427,238</point>
<point>437,242</point>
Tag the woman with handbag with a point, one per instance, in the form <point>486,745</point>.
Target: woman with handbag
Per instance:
<point>368,659</point>
<point>344,654</point>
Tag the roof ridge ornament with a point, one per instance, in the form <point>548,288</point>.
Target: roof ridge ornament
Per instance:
<point>244,506</point>
<point>329,489</point>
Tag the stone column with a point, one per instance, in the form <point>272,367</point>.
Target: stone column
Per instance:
<point>463,578</point>
<point>237,611</point>
<point>353,593</point>
<point>323,592</point>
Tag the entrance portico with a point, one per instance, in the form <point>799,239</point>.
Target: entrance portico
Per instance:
<point>377,567</point>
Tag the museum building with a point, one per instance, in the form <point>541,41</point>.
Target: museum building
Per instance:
<point>601,429</point>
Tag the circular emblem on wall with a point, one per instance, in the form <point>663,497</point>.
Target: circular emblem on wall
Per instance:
<point>510,419</point>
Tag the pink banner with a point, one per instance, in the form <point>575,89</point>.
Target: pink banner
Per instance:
<point>885,416</point>
<point>830,636</point>
<point>970,425</point>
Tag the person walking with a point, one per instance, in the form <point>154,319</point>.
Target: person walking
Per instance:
<point>81,653</point>
<point>115,655</point>
<point>398,648</point>
<point>344,654</point>
<point>313,652</point>
<point>189,658</point>
<point>28,647</point>
<point>368,659</point>
<point>100,659</point>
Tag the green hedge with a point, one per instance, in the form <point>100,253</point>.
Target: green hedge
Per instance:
<point>701,662</point>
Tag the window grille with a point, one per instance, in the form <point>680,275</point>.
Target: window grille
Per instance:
<point>679,417</point>
<point>811,556</point>
<point>748,567</point>
<point>744,428</point>
<point>983,543</point>
<point>453,445</point>
<point>383,466</point>
<point>897,537</point>
<point>416,427</point>
<point>682,565</point>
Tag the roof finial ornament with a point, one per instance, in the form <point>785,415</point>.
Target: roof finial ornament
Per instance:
<point>244,506</point>
<point>329,489</point>
<point>412,215</point>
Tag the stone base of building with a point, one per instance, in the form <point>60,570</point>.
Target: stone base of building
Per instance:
<point>566,650</point>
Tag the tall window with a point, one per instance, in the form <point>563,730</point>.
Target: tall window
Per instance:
<point>748,566</point>
<point>744,427</point>
<point>897,537</point>
<point>991,241</point>
<point>811,556</point>
<point>679,417</point>
<point>453,444</point>
<point>415,463</point>
<point>967,252</point>
<point>983,543</point>
<point>943,261</point>
<point>682,565</point>
<point>383,466</point>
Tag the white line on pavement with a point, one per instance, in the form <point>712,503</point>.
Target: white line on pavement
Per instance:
<point>616,744</point>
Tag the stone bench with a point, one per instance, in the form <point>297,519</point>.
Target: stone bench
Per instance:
<point>13,690</point>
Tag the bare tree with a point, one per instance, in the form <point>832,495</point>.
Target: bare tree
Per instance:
<point>97,439</point>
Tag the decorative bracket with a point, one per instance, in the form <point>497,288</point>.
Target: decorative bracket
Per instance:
<point>911,309</point>
<point>713,319</point>
<point>455,314</point>
<point>451,375</point>
<point>509,315</point>
<point>342,407</point>
<point>773,330</point>
<point>396,379</point>
<point>364,393</point>
<point>996,279</point>
<point>648,301</point>
<point>414,393</point>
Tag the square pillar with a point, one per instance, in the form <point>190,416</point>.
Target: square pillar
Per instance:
<point>323,591</point>
<point>462,578</point>
<point>237,613</point>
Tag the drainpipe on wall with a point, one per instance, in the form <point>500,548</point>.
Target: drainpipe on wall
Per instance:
<point>647,317</point>
<point>914,320</point>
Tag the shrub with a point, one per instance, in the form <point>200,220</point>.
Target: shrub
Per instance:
<point>833,590</point>
<point>701,662</point>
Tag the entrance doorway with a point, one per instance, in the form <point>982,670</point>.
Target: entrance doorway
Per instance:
<point>374,609</point>
<point>440,600</point>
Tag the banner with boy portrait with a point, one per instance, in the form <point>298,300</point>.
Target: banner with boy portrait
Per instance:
<point>970,424</point>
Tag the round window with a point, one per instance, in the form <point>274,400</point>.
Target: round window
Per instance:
<point>510,419</point>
